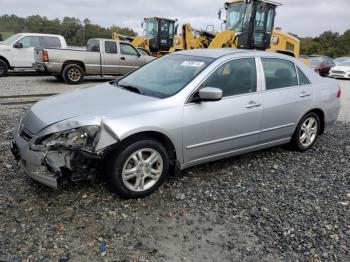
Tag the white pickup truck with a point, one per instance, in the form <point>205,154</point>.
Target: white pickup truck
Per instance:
<point>17,52</point>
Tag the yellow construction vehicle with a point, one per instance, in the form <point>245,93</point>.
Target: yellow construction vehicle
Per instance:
<point>249,24</point>
<point>194,38</point>
<point>159,36</point>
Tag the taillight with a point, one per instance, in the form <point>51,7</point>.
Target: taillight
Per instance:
<point>339,92</point>
<point>45,56</point>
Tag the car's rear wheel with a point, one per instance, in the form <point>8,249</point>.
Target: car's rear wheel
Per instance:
<point>73,74</point>
<point>139,168</point>
<point>3,68</point>
<point>306,132</point>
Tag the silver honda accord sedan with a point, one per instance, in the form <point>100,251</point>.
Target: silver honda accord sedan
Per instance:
<point>181,110</point>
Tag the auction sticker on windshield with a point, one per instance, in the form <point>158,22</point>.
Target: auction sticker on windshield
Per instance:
<point>192,63</point>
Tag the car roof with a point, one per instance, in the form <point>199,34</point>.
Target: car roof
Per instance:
<point>106,39</point>
<point>220,52</point>
<point>37,34</point>
<point>212,53</point>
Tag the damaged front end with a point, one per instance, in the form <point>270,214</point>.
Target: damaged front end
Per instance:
<point>71,155</point>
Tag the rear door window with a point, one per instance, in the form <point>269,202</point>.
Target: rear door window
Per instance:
<point>279,73</point>
<point>111,47</point>
<point>50,42</point>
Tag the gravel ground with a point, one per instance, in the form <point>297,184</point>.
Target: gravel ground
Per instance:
<point>29,83</point>
<point>271,205</point>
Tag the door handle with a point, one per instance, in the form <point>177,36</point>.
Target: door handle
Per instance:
<point>122,58</point>
<point>252,104</point>
<point>304,94</point>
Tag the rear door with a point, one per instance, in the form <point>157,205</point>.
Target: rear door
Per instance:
<point>285,101</point>
<point>110,59</point>
<point>130,58</point>
<point>24,57</point>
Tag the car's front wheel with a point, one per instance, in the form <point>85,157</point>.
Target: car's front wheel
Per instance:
<point>139,168</point>
<point>73,74</point>
<point>306,132</point>
<point>3,68</point>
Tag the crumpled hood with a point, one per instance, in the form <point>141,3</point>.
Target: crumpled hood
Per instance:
<point>103,100</point>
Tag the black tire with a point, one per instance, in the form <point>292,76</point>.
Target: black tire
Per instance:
<point>73,74</point>
<point>120,158</point>
<point>295,142</point>
<point>59,78</point>
<point>3,68</point>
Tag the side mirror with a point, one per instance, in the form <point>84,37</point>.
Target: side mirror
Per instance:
<point>18,45</point>
<point>209,94</point>
<point>219,14</point>
<point>141,24</point>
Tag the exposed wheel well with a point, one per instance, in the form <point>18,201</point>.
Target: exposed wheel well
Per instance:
<point>73,62</point>
<point>320,113</point>
<point>163,139</point>
<point>6,61</point>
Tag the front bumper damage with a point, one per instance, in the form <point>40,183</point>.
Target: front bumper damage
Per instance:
<point>53,167</point>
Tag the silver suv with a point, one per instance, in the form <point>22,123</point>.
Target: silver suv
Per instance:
<point>181,110</point>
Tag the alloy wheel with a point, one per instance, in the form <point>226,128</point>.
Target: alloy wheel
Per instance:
<point>74,75</point>
<point>142,169</point>
<point>308,132</point>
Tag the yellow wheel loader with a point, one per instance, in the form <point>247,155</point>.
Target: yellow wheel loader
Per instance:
<point>159,36</point>
<point>249,24</point>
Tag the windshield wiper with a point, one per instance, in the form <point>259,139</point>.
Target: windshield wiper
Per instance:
<point>131,88</point>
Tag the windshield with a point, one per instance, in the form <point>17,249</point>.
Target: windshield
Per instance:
<point>345,64</point>
<point>341,60</point>
<point>12,39</point>
<point>151,28</point>
<point>236,16</point>
<point>165,76</point>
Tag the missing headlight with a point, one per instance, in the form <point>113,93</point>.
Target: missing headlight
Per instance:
<point>78,137</point>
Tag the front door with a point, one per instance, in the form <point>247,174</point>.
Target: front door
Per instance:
<point>131,59</point>
<point>24,56</point>
<point>215,128</point>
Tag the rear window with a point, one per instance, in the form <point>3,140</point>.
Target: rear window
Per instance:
<point>316,61</point>
<point>50,42</point>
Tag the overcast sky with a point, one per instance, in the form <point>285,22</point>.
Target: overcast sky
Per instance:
<point>302,17</point>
